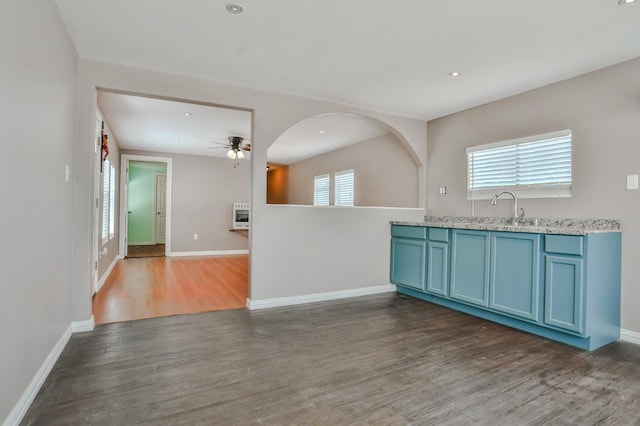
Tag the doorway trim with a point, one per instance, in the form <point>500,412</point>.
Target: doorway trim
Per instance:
<point>124,197</point>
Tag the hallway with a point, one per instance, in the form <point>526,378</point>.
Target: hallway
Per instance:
<point>154,287</point>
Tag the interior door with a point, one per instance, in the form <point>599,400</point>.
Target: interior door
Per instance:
<point>161,208</point>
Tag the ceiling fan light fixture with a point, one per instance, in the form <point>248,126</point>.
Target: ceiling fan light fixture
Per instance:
<point>231,154</point>
<point>239,155</point>
<point>625,2</point>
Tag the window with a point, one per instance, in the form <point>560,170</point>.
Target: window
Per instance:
<point>533,167</point>
<point>321,190</point>
<point>108,201</point>
<point>112,202</point>
<point>345,188</point>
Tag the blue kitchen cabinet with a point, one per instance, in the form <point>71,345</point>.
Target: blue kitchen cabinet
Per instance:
<point>470,265</point>
<point>438,268</point>
<point>514,284</point>
<point>563,289</point>
<point>408,256</point>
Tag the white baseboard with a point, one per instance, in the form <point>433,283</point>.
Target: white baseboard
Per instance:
<point>82,326</point>
<point>630,336</point>
<point>20,409</point>
<point>107,272</point>
<point>318,297</point>
<point>208,253</point>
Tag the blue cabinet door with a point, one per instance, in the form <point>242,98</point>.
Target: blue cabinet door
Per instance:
<point>408,262</point>
<point>438,268</point>
<point>514,283</point>
<point>470,266</point>
<point>563,288</point>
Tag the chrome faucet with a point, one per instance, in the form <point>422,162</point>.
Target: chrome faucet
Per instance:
<point>516,217</point>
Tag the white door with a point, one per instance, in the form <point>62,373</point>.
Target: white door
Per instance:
<point>161,208</point>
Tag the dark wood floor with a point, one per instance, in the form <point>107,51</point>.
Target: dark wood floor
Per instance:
<point>161,286</point>
<point>387,360</point>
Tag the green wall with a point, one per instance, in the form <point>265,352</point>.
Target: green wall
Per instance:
<point>141,195</point>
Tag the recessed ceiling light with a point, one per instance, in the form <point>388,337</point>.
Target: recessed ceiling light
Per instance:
<point>454,73</point>
<point>624,2</point>
<point>235,8</point>
<point>321,131</point>
<point>177,141</point>
<point>187,114</point>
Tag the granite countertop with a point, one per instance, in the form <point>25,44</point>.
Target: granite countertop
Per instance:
<point>530,225</point>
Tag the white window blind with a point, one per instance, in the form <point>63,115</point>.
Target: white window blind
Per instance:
<point>321,190</point>
<point>106,198</point>
<point>112,201</point>
<point>532,167</point>
<point>345,188</point>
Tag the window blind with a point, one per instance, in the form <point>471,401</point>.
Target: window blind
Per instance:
<point>344,188</point>
<point>112,201</point>
<point>321,190</point>
<point>106,198</point>
<point>536,166</point>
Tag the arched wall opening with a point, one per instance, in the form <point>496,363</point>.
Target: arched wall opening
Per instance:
<point>384,168</point>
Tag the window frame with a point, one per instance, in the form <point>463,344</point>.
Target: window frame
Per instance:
<point>316,189</point>
<point>108,212</point>
<point>543,190</point>
<point>339,188</point>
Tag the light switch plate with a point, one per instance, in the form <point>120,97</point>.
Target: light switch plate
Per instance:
<point>632,181</point>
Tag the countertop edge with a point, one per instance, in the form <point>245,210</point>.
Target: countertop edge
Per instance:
<point>531,229</point>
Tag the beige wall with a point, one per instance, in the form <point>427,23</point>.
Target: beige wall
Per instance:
<point>385,173</point>
<point>603,110</point>
<point>38,78</point>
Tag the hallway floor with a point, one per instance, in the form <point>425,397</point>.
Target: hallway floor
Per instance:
<point>154,287</point>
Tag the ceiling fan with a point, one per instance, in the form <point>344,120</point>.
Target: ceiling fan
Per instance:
<point>235,147</point>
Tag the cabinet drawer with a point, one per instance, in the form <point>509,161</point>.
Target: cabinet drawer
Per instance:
<point>419,232</point>
<point>439,234</point>
<point>565,244</point>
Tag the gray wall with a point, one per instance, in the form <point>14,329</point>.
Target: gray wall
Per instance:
<point>37,117</point>
<point>203,193</point>
<point>385,173</point>
<point>603,110</point>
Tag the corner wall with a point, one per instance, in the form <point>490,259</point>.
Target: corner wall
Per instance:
<point>602,109</point>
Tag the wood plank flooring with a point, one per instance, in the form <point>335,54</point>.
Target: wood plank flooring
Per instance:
<point>380,360</point>
<point>161,286</point>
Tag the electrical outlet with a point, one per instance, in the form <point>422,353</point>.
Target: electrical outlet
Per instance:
<point>632,181</point>
<point>443,190</point>
<point>195,236</point>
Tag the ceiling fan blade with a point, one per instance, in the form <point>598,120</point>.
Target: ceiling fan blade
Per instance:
<point>246,147</point>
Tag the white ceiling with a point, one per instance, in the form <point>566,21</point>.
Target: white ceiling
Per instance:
<point>389,56</point>
<point>148,124</point>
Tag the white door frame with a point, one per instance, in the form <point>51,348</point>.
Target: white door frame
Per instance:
<point>97,195</point>
<point>124,195</point>
<point>156,238</point>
